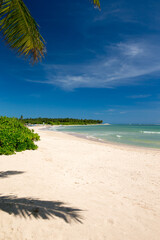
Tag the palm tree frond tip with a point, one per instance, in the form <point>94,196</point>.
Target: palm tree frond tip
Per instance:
<point>20,30</point>
<point>96,3</point>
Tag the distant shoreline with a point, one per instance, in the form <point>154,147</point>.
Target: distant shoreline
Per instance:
<point>49,125</point>
<point>97,140</point>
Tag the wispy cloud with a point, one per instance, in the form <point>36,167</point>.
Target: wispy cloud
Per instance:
<point>118,11</point>
<point>110,110</point>
<point>113,112</point>
<point>131,49</point>
<point>123,112</point>
<point>105,14</point>
<point>140,96</point>
<point>124,63</point>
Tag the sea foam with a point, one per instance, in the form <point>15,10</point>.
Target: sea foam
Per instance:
<point>149,132</point>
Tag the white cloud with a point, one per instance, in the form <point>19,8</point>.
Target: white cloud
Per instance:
<point>131,50</point>
<point>123,112</point>
<point>123,64</point>
<point>105,14</point>
<point>110,110</point>
<point>140,96</point>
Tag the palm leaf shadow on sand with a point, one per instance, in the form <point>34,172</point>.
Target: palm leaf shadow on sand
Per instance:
<point>6,174</point>
<point>38,209</point>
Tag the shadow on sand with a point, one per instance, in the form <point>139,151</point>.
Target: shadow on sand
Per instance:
<point>35,208</point>
<point>29,207</point>
<point>9,173</point>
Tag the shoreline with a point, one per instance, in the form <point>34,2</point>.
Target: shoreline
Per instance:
<point>105,142</point>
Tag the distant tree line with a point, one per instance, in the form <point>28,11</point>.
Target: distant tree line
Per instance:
<point>59,121</point>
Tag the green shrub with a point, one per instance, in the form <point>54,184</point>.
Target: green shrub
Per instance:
<point>15,137</point>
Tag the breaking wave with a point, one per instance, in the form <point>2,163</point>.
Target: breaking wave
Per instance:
<point>149,132</point>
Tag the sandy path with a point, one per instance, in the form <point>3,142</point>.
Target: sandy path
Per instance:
<point>117,189</point>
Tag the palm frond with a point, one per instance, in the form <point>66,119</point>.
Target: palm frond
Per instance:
<point>96,3</point>
<point>20,30</point>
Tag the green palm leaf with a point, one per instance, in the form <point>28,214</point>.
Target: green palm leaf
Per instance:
<point>20,30</point>
<point>96,3</point>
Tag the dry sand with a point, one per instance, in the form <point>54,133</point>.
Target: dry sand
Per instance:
<point>77,189</point>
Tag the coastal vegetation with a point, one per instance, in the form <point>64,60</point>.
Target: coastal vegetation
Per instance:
<point>15,137</point>
<point>20,30</point>
<point>59,121</point>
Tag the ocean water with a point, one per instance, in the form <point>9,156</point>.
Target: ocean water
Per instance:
<point>137,135</point>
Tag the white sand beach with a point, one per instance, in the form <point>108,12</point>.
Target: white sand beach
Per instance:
<point>76,189</point>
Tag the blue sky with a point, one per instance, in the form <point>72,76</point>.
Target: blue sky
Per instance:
<point>99,64</point>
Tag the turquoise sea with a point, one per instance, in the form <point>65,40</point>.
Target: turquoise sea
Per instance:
<point>137,135</point>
